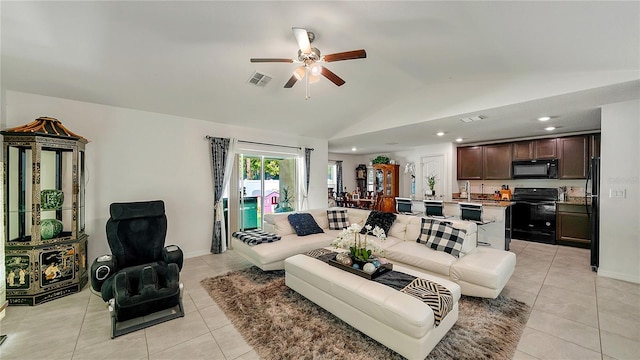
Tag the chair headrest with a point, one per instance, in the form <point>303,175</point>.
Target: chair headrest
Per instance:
<point>135,210</point>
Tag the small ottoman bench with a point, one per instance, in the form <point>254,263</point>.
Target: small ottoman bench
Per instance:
<point>399,321</point>
<point>485,273</point>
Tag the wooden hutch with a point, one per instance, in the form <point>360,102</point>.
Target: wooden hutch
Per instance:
<point>386,186</point>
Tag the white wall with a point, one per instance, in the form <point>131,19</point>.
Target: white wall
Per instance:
<point>416,155</point>
<point>136,155</point>
<point>620,217</point>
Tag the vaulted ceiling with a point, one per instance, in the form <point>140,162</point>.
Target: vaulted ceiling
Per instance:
<point>428,64</point>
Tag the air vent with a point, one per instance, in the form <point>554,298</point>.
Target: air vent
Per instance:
<point>472,118</point>
<point>259,79</point>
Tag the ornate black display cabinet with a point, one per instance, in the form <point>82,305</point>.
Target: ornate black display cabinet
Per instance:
<point>44,217</point>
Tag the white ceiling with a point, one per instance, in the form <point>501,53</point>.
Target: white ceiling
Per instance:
<point>428,64</point>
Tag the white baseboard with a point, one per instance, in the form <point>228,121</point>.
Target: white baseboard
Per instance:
<point>196,254</point>
<point>618,276</point>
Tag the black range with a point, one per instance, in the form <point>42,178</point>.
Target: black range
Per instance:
<point>534,214</point>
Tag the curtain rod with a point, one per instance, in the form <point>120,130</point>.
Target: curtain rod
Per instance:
<point>261,143</point>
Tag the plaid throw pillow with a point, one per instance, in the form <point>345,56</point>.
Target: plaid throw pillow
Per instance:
<point>338,219</point>
<point>445,237</point>
<point>427,226</point>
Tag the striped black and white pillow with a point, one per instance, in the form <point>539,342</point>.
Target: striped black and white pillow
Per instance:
<point>338,219</point>
<point>444,237</point>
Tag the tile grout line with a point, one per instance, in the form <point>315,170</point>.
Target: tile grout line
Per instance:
<point>598,316</point>
<point>84,317</point>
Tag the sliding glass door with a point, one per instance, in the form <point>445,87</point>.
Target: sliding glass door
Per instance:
<point>266,184</point>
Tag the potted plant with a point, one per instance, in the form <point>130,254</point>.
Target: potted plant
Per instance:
<point>381,159</point>
<point>431,182</point>
<point>286,201</point>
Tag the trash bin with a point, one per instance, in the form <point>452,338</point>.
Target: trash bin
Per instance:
<point>249,212</point>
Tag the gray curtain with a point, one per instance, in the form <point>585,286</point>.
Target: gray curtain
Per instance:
<point>219,150</point>
<point>339,189</point>
<point>307,167</point>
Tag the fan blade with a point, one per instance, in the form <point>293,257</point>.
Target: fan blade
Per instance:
<point>347,55</point>
<point>332,76</point>
<point>303,39</point>
<point>261,60</point>
<point>292,81</point>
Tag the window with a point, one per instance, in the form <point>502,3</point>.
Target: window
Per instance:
<point>332,175</point>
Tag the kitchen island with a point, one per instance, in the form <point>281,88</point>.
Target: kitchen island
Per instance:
<point>495,229</point>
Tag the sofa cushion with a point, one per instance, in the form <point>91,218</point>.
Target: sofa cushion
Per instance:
<point>357,216</point>
<point>384,220</point>
<point>444,237</point>
<point>421,257</point>
<point>304,224</point>
<point>399,227</point>
<point>320,216</point>
<point>338,219</point>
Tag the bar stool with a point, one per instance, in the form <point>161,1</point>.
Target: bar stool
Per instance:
<point>473,212</point>
<point>433,208</point>
<point>403,206</point>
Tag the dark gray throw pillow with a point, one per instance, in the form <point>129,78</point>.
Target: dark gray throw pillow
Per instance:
<point>304,224</point>
<point>384,220</point>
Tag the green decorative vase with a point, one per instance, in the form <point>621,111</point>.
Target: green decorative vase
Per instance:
<point>51,199</point>
<point>50,228</point>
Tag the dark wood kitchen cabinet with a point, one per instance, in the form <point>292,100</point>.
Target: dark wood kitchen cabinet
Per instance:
<point>546,149</point>
<point>573,153</point>
<point>573,227</point>
<point>497,161</point>
<point>470,163</point>
<point>535,149</point>
<point>523,150</point>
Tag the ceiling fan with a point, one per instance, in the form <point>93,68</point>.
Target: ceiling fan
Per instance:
<point>310,58</point>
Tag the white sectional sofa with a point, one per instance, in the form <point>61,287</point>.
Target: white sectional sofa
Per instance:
<point>479,271</point>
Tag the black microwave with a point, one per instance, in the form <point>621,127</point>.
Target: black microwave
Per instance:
<point>535,169</point>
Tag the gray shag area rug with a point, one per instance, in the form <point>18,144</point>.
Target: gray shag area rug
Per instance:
<point>281,324</point>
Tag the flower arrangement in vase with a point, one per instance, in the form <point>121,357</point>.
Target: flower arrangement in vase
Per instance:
<point>359,249</point>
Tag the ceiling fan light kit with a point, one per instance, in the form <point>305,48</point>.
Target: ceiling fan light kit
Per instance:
<point>310,57</point>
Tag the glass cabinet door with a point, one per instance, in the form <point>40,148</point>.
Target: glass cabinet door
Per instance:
<point>388,183</point>
<point>379,181</point>
<point>19,201</point>
<point>56,193</point>
<point>81,191</point>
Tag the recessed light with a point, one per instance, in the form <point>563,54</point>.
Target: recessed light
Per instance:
<point>459,139</point>
<point>550,128</point>
<point>440,133</point>
<point>353,148</point>
<point>544,118</point>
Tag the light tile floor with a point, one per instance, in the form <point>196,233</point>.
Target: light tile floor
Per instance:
<point>575,315</point>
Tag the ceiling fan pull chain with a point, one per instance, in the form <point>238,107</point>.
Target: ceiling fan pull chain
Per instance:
<point>308,91</point>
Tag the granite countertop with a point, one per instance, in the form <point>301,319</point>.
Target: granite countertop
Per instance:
<point>574,200</point>
<point>484,202</point>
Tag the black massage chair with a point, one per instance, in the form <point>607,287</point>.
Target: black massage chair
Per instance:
<point>142,276</point>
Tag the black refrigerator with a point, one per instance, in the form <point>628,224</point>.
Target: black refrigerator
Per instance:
<point>594,214</point>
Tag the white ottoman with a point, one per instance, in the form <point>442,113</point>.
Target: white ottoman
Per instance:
<point>396,320</point>
<point>484,273</point>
